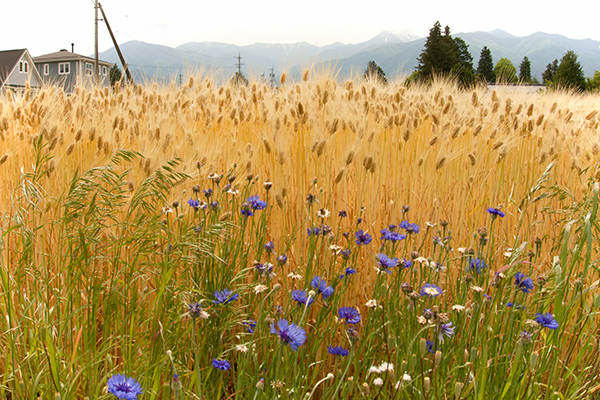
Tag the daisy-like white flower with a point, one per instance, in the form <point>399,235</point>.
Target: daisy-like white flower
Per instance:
<point>242,348</point>
<point>214,177</point>
<point>374,369</point>
<point>323,213</point>
<point>294,276</point>
<point>371,303</point>
<point>167,210</point>
<point>260,288</point>
<point>422,260</point>
<point>233,191</point>
<point>458,307</point>
<point>378,382</point>
<point>477,289</point>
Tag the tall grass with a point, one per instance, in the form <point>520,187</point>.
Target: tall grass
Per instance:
<point>104,247</point>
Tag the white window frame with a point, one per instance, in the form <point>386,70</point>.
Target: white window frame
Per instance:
<point>46,69</point>
<point>64,68</point>
<point>26,67</point>
<point>23,67</point>
<point>89,69</point>
<point>104,70</point>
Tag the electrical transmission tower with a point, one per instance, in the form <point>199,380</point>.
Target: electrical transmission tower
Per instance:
<point>239,63</point>
<point>272,78</point>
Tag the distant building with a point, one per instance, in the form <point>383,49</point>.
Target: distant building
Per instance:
<point>16,69</point>
<point>68,70</point>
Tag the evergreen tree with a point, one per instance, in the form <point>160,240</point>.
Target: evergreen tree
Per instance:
<point>464,69</point>
<point>485,68</point>
<point>439,55</point>
<point>374,71</point>
<point>570,73</point>
<point>505,71</point>
<point>114,74</point>
<point>525,70</point>
<point>549,73</point>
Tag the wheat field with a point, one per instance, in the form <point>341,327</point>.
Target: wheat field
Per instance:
<point>95,194</point>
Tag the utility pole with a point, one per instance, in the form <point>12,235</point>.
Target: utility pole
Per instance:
<point>239,63</point>
<point>129,78</point>
<point>96,77</point>
<point>272,78</point>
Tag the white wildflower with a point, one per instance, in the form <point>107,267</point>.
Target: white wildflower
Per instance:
<point>323,213</point>
<point>371,303</point>
<point>241,348</point>
<point>260,288</point>
<point>295,276</point>
<point>378,382</point>
<point>458,307</point>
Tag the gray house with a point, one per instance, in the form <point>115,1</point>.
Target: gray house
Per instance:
<point>69,70</point>
<point>16,69</point>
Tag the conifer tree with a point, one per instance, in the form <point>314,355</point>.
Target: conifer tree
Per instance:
<point>525,70</point>
<point>549,73</point>
<point>439,54</point>
<point>485,68</point>
<point>570,73</point>
<point>374,71</point>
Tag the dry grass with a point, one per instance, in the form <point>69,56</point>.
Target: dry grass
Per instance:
<point>445,153</point>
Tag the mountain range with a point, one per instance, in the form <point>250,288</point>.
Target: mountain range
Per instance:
<point>395,52</point>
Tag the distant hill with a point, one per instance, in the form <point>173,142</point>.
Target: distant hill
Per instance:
<point>395,52</point>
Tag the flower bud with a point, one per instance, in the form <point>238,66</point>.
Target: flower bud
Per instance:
<point>276,288</point>
<point>533,359</point>
<point>260,385</point>
<point>458,389</point>
<point>438,358</point>
<point>426,384</point>
<point>423,346</point>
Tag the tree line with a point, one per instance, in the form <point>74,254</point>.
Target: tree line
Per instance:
<point>448,57</point>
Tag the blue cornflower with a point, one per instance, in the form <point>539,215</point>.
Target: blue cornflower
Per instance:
<point>362,237</point>
<point>214,205</point>
<point>515,306</point>
<point>431,290</point>
<point>124,388</point>
<point>320,285</point>
<point>386,263</point>
<point>301,297</point>
<point>264,269</point>
<point>251,324</point>
<point>345,253</point>
<point>194,310</point>
<point>413,228</point>
<point>350,314</point>
<point>194,204</point>
<point>225,296</point>
<point>256,203</point>
<point>289,333</point>
<point>269,247</point>
<point>282,259</point>
<point>429,345</point>
<point>343,214</point>
<point>338,351</point>
<point>207,193</point>
<point>523,282</point>
<point>495,212</point>
<point>349,271</point>
<point>409,228</point>
<point>546,320</point>
<point>407,263</point>
<point>445,329</point>
<point>223,365</point>
<point>391,236</point>
<point>477,265</point>
<point>314,231</point>
<point>246,212</point>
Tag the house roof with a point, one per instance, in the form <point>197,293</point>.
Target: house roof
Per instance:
<point>8,60</point>
<point>65,55</point>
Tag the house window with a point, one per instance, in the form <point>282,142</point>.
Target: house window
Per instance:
<point>23,66</point>
<point>104,71</point>
<point>64,68</point>
<point>88,69</point>
<point>46,69</point>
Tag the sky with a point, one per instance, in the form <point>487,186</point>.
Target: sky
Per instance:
<point>45,27</point>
